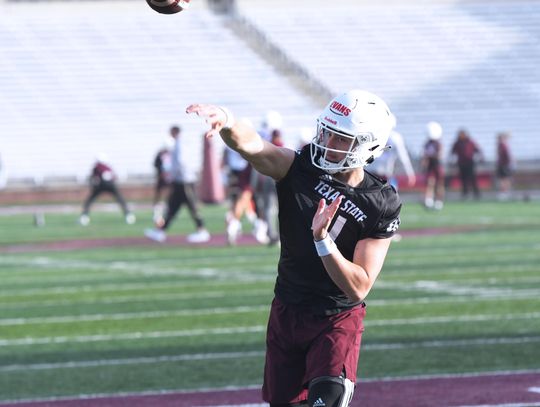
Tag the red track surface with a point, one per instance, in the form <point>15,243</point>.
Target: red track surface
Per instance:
<point>481,390</point>
<point>217,240</point>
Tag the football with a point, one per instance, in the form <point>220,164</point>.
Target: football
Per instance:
<point>168,6</point>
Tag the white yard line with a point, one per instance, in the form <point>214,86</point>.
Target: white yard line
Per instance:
<point>131,336</point>
<point>480,297</point>
<point>453,318</point>
<point>121,299</point>
<point>452,343</point>
<point>249,329</point>
<point>450,287</point>
<point>225,280</point>
<point>493,265</point>
<point>257,308</point>
<point>131,361</point>
<point>225,355</point>
<point>451,375</point>
<point>144,267</point>
<point>43,263</point>
<point>133,315</point>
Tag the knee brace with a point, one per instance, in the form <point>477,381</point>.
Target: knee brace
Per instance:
<point>328,391</point>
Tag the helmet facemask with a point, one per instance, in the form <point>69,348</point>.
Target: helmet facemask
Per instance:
<point>360,151</point>
<point>357,116</point>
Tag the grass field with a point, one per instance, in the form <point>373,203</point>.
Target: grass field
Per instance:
<point>151,318</point>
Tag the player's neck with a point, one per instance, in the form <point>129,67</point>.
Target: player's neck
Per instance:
<point>353,177</point>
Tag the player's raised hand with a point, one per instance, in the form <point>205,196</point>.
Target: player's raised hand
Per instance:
<point>216,116</point>
<point>323,217</point>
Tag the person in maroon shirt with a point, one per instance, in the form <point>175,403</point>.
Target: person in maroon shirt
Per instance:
<point>103,180</point>
<point>467,154</point>
<point>503,170</point>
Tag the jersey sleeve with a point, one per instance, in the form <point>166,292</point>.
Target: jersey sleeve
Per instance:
<point>390,220</point>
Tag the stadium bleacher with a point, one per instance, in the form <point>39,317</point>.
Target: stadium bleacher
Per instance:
<point>78,78</point>
<point>464,64</point>
<point>81,78</point>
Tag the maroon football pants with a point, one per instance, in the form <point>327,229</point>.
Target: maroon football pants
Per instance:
<point>302,346</point>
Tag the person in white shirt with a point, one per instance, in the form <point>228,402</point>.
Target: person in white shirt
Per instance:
<point>433,167</point>
<point>385,165</point>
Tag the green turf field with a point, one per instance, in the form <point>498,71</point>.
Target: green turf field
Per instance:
<point>149,318</point>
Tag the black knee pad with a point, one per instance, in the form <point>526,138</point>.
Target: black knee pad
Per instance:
<point>330,391</point>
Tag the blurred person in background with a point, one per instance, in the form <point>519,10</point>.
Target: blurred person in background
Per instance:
<point>240,193</point>
<point>385,165</point>
<point>265,195</point>
<point>432,165</point>
<point>264,188</point>
<point>504,167</point>
<point>2,174</point>
<point>162,166</point>
<point>103,180</point>
<point>466,153</point>
<point>182,192</point>
<point>336,223</point>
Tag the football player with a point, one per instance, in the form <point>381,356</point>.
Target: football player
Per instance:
<point>103,180</point>
<point>336,221</point>
<point>432,163</point>
<point>182,193</point>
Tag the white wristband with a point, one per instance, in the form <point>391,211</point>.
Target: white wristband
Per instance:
<point>229,118</point>
<point>325,247</point>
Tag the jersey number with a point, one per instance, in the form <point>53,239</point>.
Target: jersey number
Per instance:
<point>337,227</point>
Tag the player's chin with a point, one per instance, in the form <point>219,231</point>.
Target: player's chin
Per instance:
<point>333,158</point>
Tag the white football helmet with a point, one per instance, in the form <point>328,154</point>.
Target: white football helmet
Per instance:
<point>272,120</point>
<point>357,115</point>
<point>102,158</point>
<point>434,130</point>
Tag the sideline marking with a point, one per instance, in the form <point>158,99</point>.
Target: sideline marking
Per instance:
<point>534,389</point>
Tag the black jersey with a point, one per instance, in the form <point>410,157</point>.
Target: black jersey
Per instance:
<point>370,210</point>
